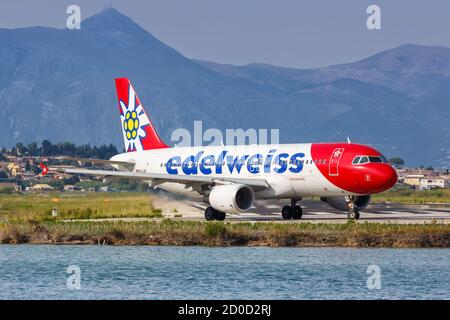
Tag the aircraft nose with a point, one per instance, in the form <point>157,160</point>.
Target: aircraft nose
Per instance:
<point>387,177</point>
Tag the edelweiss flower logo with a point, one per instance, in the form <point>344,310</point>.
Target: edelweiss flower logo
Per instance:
<point>133,120</point>
<point>337,153</point>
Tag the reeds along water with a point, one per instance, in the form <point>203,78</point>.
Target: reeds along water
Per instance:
<point>186,233</point>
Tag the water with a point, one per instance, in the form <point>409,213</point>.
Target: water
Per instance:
<point>39,272</point>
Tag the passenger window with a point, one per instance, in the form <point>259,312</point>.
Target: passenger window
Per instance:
<point>356,160</point>
<point>363,160</point>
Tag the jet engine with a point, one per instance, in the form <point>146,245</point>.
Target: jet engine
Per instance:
<point>361,202</point>
<point>231,198</point>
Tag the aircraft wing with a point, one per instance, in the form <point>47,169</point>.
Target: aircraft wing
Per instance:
<point>127,164</point>
<point>257,184</point>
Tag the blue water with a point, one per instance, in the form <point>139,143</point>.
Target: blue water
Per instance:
<point>39,272</point>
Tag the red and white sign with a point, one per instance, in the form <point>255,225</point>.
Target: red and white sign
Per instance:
<point>44,169</point>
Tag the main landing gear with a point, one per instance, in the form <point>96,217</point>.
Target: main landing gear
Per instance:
<point>353,212</point>
<point>213,214</point>
<point>293,211</point>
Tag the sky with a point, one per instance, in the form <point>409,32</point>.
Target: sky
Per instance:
<point>293,33</point>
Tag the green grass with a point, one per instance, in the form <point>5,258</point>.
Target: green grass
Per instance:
<point>77,205</point>
<point>409,196</point>
<point>26,218</point>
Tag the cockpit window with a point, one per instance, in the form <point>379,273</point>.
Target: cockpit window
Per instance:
<point>363,160</point>
<point>356,160</point>
<point>375,159</point>
<point>367,159</point>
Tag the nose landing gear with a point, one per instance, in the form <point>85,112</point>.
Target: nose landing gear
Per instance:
<point>293,211</point>
<point>353,212</point>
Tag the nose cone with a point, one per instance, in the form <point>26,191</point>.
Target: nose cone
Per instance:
<point>386,177</point>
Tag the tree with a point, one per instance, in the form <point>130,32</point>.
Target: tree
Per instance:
<point>27,166</point>
<point>396,162</point>
<point>71,180</point>
<point>33,149</point>
<point>3,175</point>
<point>35,169</point>
<point>46,148</point>
<point>21,149</point>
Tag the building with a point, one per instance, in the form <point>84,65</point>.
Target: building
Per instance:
<point>41,187</point>
<point>430,183</point>
<point>28,175</point>
<point>70,187</point>
<point>3,166</point>
<point>413,179</point>
<point>15,169</point>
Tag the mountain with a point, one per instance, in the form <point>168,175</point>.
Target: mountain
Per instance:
<point>58,84</point>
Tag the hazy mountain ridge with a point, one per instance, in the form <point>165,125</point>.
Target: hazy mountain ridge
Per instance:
<point>58,84</point>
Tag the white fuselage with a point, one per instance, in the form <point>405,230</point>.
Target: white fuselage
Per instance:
<point>287,168</point>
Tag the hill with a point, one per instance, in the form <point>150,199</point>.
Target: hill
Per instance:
<point>57,84</point>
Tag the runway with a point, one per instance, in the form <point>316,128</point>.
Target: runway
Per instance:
<point>320,212</point>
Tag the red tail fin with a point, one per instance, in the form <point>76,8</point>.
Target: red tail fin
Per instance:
<point>138,131</point>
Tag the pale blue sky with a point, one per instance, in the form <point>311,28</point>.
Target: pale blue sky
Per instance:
<point>292,33</point>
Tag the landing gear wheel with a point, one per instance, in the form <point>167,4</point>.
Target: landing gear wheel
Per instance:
<point>297,212</point>
<point>210,213</point>
<point>287,212</point>
<point>353,214</point>
<point>213,214</point>
<point>220,215</point>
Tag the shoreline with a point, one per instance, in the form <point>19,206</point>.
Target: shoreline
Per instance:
<point>169,232</point>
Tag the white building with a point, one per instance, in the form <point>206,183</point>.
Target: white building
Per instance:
<point>42,187</point>
<point>430,183</point>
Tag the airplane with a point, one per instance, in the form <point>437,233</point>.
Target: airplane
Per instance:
<point>230,178</point>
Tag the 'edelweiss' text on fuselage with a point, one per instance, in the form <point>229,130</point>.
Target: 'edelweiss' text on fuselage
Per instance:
<point>209,163</point>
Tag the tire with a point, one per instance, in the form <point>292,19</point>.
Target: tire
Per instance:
<point>297,213</point>
<point>210,213</point>
<point>219,215</point>
<point>353,214</point>
<point>287,212</point>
